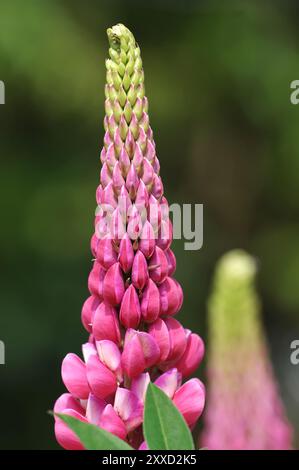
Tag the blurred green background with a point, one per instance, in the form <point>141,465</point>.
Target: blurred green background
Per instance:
<point>218,81</point>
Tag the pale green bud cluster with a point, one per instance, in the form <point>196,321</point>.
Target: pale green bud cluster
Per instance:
<point>234,305</point>
<point>125,94</point>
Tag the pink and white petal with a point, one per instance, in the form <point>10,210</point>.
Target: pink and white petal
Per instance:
<point>110,355</point>
<point>87,350</point>
<point>129,408</point>
<point>150,348</point>
<point>139,385</point>
<point>94,409</point>
<point>169,382</point>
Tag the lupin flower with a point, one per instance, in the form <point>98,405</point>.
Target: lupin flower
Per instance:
<point>134,338</point>
<point>244,408</point>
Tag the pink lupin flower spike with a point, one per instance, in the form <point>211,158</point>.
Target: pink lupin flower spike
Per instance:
<point>133,337</point>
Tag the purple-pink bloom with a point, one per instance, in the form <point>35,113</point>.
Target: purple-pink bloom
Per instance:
<point>133,337</point>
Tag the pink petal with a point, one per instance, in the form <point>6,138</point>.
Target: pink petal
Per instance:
<point>116,225</point>
<point>177,338</point>
<point>158,266</point>
<point>88,310</point>
<point>150,151</point>
<point>192,356</point>
<point>139,271</point>
<point>87,350</point>
<point>105,175</point>
<point>95,280</point>
<point>94,241</point>
<point>169,382</point>
<point>150,303</point>
<point>73,372</point>
<point>129,408</point>
<point>130,313</point>
<point>165,234</point>
<point>124,161</point>
<point>105,323</point>
<point>107,198</point>
<point>142,197</point>
<point>110,156</point>
<point>130,143</point>
<point>180,295</point>
<point>117,177</point>
<point>114,286</point>
<point>154,213</point>
<point>132,181</point>
<point>126,253</point>
<point>190,400</point>
<point>106,253</point>
<point>65,437</point>
<point>140,351</point>
<point>148,172</point>
<point>67,401</point>
<point>124,201</point>
<point>159,331</point>
<point>157,189</point>
<point>111,422</point>
<point>134,227</point>
<point>150,348</point>
<point>170,297</point>
<point>147,240</point>
<point>101,380</point>
<point>137,160</point>
<point>94,409</point>
<point>171,261</point>
<point>110,355</point>
<point>132,360</point>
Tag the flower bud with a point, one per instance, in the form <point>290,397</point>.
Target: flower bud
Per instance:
<point>130,313</point>
<point>150,302</point>
<point>105,323</point>
<point>95,280</point>
<point>140,352</point>
<point>158,266</point>
<point>106,254</point>
<point>113,287</point>
<point>170,296</point>
<point>147,240</point>
<point>171,261</point>
<point>88,310</point>
<point>192,356</point>
<point>139,271</point>
<point>126,253</point>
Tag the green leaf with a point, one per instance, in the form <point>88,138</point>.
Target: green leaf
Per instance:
<point>164,427</point>
<point>93,437</point>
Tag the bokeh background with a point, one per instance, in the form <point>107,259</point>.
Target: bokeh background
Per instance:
<point>218,81</point>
